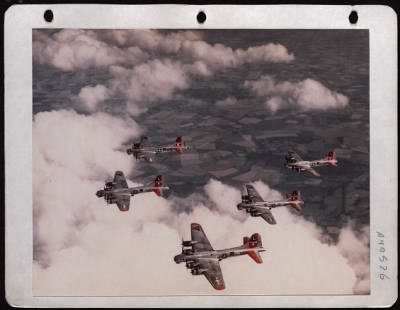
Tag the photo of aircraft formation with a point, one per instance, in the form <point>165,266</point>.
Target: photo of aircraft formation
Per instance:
<point>254,132</point>
<point>197,253</point>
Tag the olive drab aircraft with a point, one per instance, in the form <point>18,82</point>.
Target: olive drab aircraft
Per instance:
<point>294,162</point>
<point>144,150</point>
<point>253,204</point>
<point>119,193</point>
<point>202,259</point>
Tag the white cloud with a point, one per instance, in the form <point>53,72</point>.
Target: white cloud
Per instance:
<point>92,96</point>
<point>149,39</point>
<point>266,53</point>
<point>220,56</point>
<point>151,81</point>
<point>71,154</point>
<point>307,94</point>
<point>72,49</point>
<point>84,247</point>
<point>227,102</point>
<point>355,248</point>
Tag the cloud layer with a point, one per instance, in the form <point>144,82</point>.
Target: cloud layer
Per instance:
<point>144,66</point>
<point>308,94</point>
<point>84,247</point>
<point>148,66</point>
<point>70,49</point>
<point>80,49</point>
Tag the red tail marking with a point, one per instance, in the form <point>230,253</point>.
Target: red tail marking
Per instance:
<point>255,257</point>
<point>178,144</point>
<point>331,155</point>
<point>251,243</point>
<point>293,196</point>
<point>178,148</point>
<point>157,184</point>
<point>296,206</point>
<point>219,287</point>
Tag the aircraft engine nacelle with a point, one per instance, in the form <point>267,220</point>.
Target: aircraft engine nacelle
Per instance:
<point>239,206</point>
<point>255,213</point>
<point>108,185</point>
<point>187,243</point>
<point>245,198</point>
<point>197,271</point>
<point>190,265</point>
<point>111,199</point>
<point>187,252</point>
<point>100,193</point>
<point>129,151</point>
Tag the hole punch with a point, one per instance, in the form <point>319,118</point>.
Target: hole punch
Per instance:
<point>48,16</point>
<point>353,17</point>
<point>201,17</point>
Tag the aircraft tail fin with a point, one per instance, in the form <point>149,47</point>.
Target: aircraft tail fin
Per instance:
<point>295,196</point>
<point>290,157</point>
<point>144,139</point>
<point>157,185</point>
<point>178,144</point>
<point>253,242</point>
<point>331,155</point>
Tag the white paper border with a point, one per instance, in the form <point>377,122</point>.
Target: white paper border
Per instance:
<point>19,21</point>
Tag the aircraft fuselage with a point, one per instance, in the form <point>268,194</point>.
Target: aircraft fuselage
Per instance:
<point>268,204</point>
<point>313,163</point>
<point>216,254</point>
<point>128,191</point>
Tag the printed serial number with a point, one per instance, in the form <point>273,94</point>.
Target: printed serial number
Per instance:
<point>382,257</point>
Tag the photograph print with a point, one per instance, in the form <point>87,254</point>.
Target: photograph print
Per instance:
<point>200,162</point>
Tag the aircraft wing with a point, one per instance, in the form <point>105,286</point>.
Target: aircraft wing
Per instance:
<point>294,155</point>
<point>148,151</point>
<point>254,196</point>
<point>119,180</point>
<point>268,217</point>
<point>201,242</point>
<point>166,149</point>
<point>123,202</point>
<point>213,272</point>
<point>312,171</point>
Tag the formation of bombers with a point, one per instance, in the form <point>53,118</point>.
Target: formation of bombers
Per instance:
<point>197,253</point>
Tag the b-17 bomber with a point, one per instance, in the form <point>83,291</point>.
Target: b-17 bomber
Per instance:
<point>144,150</point>
<point>202,259</point>
<point>294,162</point>
<point>256,206</point>
<point>117,192</point>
